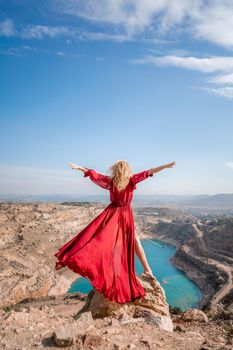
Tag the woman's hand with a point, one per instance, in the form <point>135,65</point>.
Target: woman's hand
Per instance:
<point>170,165</point>
<point>74,166</point>
<point>162,167</point>
<point>78,167</point>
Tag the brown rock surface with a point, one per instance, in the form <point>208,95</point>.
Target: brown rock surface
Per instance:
<point>151,308</point>
<point>194,315</point>
<point>36,314</point>
<point>30,235</point>
<point>204,248</point>
<point>49,323</point>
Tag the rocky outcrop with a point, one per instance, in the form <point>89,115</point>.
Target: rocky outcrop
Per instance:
<point>99,322</point>
<point>203,251</point>
<point>64,321</point>
<point>30,235</point>
<point>152,307</point>
<point>35,312</point>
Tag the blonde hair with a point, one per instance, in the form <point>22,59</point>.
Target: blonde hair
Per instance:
<point>120,173</point>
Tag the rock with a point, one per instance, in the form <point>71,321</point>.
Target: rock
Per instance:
<point>85,317</point>
<point>84,322</point>
<point>195,335</point>
<point>155,298</point>
<point>35,312</point>
<point>150,316</point>
<point>93,339</point>
<point>128,320</point>
<point>162,322</point>
<point>64,337</point>
<point>194,315</point>
<point>152,308</point>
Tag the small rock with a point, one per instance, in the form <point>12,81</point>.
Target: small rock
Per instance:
<point>150,316</point>
<point>131,320</point>
<point>84,322</point>
<point>194,315</point>
<point>94,339</point>
<point>195,335</point>
<point>85,317</point>
<point>64,337</point>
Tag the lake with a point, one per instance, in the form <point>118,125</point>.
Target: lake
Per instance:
<point>179,289</point>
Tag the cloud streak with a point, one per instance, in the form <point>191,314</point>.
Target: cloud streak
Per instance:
<point>122,20</point>
<point>205,20</point>
<point>40,32</point>
<point>19,50</point>
<point>7,28</point>
<point>223,91</point>
<point>205,65</point>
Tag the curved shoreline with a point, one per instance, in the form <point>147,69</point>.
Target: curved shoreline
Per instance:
<point>175,264</point>
<point>203,272</point>
<point>28,266</point>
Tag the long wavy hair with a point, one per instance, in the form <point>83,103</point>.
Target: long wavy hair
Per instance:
<point>120,173</point>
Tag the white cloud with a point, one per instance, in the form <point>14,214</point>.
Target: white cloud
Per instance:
<point>229,165</point>
<point>41,31</point>
<point>223,79</point>
<point>38,32</point>
<point>7,28</point>
<point>206,20</point>
<point>98,36</point>
<point>206,64</point>
<point>10,51</point>
<point>213,21</point>
<point>148,19</point>
<point>132,15</point>
<point>19,50</point>
<point>225,91</point>
<point>56,53</point>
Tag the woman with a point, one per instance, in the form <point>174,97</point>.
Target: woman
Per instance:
<point>103,251</point>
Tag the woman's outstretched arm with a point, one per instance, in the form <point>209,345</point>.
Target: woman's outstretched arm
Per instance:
<point>78,167</point>
<point>165,166</point>
<point>98,178</point>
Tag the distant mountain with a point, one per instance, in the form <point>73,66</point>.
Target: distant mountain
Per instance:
<point>218,200</point>
<point>55,198</point>
<point>222,200</point>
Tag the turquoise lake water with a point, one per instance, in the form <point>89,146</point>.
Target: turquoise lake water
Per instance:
<point>180,291</point>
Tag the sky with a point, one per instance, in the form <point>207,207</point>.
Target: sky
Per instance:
<point>93,82</point>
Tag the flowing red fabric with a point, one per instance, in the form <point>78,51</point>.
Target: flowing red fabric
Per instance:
<point>103,252</point>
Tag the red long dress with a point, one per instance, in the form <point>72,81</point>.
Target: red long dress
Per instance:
<point>103,251</point>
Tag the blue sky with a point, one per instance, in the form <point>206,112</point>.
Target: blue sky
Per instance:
<point>91,82</point>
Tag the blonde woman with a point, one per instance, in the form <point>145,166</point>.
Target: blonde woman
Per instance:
<point>103,251</point>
